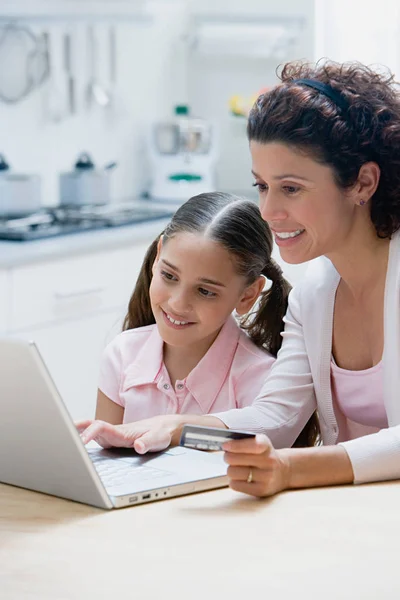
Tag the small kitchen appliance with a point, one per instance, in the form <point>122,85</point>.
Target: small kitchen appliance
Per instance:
<point>183,155</point>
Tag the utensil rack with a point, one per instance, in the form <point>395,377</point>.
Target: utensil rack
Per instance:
<point>73,10</point>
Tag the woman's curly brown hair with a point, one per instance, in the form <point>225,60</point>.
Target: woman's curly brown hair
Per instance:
<point>368,130</point>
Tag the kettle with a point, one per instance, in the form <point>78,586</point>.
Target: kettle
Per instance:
<point>85,184</point>
<point>20,194</point>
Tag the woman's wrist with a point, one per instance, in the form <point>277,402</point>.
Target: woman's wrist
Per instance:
<point>314,467</point>
<point>177,422</point>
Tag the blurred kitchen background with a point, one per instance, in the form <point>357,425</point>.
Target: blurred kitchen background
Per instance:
<point>113,112</point>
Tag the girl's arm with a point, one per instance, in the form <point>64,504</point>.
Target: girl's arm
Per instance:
<point>107,410</point>
<point>154,434</point>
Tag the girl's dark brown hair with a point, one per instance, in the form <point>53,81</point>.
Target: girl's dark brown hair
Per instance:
<point>368,129</point>
<point>237,225</point>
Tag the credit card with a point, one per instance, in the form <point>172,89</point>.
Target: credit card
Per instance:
<point>210,438</point>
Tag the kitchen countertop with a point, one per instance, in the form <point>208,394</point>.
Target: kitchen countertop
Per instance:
<point>15,254</point>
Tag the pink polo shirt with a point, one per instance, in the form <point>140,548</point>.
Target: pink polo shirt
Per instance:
<point>230,374</point>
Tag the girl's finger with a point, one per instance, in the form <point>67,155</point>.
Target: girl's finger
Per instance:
<point>82,425</point>
<point>94,430</point>
<point>152,441</point>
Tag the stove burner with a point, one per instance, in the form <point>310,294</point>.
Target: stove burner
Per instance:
<point>63,220</point>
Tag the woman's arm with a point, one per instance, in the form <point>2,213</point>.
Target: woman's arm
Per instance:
<point>107,410</point>
<point>319,466</point>
<point>287,399</point>
<point>273,471</point>
<point>375,457</point>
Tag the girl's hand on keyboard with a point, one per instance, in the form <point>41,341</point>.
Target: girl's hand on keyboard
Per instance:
<point>152,434</point>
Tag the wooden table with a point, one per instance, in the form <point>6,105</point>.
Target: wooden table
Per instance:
<point>331,544</point>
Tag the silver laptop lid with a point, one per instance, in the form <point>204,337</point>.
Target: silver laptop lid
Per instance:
<point>40,448</point>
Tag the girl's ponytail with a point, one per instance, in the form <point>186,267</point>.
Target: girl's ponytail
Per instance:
<point>139,307</point>
<point>264,327</point>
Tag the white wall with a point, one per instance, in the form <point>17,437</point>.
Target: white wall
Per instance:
<point>153,76</point>
<point>212,81</point>
<point>364,31</point>
<point>146,87</point>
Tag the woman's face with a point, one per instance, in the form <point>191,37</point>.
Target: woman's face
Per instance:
<point>309,215</point>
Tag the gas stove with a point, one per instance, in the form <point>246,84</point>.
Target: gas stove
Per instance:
<point>62,220</point>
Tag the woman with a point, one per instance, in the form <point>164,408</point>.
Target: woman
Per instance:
<point>325,146</point>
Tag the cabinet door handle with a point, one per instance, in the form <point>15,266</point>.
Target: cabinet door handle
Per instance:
<point>78,293</point>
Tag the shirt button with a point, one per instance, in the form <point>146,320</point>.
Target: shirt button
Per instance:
<point>180,386</point>
<point>166,386</point>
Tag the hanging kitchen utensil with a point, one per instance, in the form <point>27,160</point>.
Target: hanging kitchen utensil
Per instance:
<point>96,93</point>
<point>117,107</point>
<point>112,39</point>
<point>23,64</point>
<point>54,100</point>
<point>69,71</point>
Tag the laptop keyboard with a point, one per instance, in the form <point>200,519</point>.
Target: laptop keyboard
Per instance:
<point>118,474</point>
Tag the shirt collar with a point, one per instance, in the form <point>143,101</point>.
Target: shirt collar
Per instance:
<point>148,362</point>
<point>204,382</point>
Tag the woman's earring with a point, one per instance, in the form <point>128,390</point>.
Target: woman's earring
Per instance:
<point>362,202</point>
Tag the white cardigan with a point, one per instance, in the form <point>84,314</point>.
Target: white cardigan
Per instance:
<point>299,381</point>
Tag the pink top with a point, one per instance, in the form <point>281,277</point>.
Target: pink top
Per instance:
<point>358,395</point>
<point>230,375</point>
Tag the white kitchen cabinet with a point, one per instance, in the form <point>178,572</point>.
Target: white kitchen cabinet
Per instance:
<point>5,300</point>
<point>71,308</point>
<point>72,352</point>
<point>71,288</point>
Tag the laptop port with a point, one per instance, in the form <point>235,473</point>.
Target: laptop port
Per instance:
<point>146,496</point>
<point>133,499</point>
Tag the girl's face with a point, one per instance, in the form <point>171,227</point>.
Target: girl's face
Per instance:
<point>308,213</point>
<point>195,288</point>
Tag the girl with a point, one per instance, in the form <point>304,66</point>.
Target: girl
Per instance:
<point>181,350</point>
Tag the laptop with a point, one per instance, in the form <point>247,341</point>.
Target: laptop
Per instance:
<point>41,450</point>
